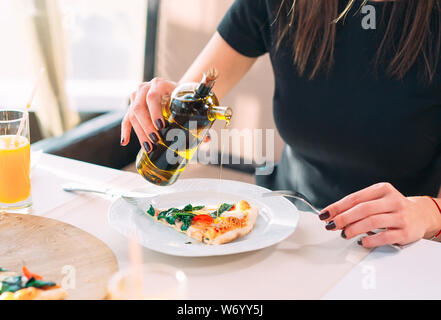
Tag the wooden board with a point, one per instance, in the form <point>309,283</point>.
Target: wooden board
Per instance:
<point>59,252</point>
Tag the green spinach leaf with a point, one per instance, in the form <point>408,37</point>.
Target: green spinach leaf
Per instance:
<point>190,208</point>
<point>32,282</point>
<point>11,284</point>
<point>222,208</point>
<point>186,221</point>
<point>186,218</point>
<point>151,211</point>
<point>168,215</point>
<point>184,215</point>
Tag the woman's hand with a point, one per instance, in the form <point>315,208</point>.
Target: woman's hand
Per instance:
<point>145,112</point>
<point>382,206</point>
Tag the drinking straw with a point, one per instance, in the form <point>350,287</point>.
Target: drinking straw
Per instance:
<point>29,102</point>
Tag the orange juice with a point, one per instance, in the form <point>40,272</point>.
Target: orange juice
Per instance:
<point>15,183</point>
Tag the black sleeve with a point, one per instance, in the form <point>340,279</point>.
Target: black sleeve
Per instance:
<point>243,27</point>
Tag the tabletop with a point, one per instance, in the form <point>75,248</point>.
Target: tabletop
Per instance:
<point>307,265</point>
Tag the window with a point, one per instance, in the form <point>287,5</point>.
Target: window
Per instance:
<point>16,64</point>
<point>105,43</point>
<point>93,53</point>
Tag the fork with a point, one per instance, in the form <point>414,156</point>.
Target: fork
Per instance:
<point>137,199</point>
<point>292,194</point>
<point>304,199</point>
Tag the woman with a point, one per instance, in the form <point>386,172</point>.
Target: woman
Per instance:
<point>358,105</point>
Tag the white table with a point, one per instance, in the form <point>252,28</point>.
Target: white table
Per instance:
<point>307,265</point>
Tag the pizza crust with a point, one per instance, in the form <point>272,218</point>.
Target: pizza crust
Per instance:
<point>51,294</point>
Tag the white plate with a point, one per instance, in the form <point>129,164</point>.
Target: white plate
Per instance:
<point>277,218</point>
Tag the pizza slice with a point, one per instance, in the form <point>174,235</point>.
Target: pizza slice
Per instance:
<point>210,225</point>
<point>29,286</point>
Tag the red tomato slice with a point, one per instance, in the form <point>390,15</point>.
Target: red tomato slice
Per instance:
<point>205,218</point>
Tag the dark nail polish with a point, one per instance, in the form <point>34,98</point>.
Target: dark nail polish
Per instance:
<point>330,225</point>
<point>159,124</point>
<point>343,234</point>
<point>154,137</point>
<point>359,242</point>
<point>122,141</point>
<point>324,215</point>
<point>147,147</point>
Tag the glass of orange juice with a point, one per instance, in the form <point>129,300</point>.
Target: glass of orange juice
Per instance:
<point>15,182</point>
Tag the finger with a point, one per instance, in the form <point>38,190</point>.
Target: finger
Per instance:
<point>383,238</point>
<point>126,128</point>
<point>157,97</point>
<point>154,101</point>
<point>378,221</point>
<point>147,126</point>
<point>364,210</point>
<point>370,193</point>
<point>143,140</point>
<point>142,113</point>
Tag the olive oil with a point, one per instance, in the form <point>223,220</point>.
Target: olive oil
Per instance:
<point>188,116</point>
<point>227,124</point>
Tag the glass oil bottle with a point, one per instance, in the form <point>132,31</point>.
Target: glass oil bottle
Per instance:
<point>189,114</point>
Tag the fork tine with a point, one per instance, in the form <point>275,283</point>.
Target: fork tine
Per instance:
<point>140,203</point>
<point>130,200</point>
<point>278,192</point>
<point>291,194</point>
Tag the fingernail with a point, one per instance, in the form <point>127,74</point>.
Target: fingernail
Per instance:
<point>122,141</point>
<point>330,225</point>
<point>343,234</point>
<point>147,147</point>
<point>360,242</point>
<point>159,124</point>
<point>325,215</point>
<point>154,137</point>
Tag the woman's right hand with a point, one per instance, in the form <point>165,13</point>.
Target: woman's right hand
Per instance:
<point>145,112</point>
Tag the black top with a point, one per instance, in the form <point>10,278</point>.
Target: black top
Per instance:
<point>351,128</point>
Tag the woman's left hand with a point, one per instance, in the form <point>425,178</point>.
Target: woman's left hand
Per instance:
<point>382,206</point>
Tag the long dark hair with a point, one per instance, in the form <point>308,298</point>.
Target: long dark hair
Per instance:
<point>416,39</point>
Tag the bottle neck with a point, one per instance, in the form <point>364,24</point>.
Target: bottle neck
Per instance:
<point>220,113</point>
<point>207,83</point>
<point>203,90</point>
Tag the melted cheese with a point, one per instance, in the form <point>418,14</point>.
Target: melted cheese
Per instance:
<point>234,213</point>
